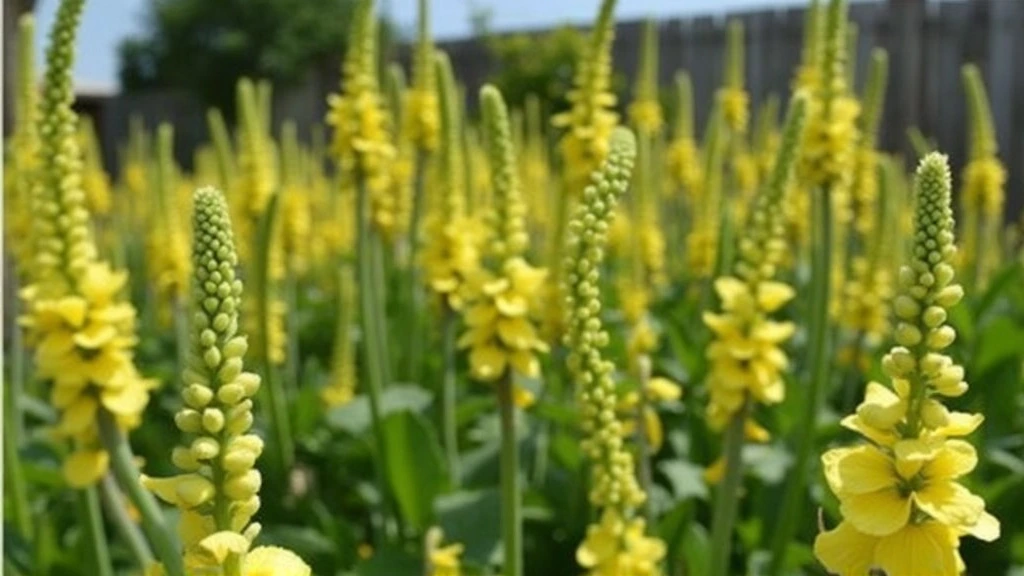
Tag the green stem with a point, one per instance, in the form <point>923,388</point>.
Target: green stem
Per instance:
<point>448,420</point>
<point>16,492</point>
<point>115,505</point>
<point>727,499</point>
<point>379,295</point>
<point>821,274</point>
<point>275,395</point>
<point>17,385</point>
<point>372,361</point>
<point>292,367</point>
<point>122,461</point>
<point>511,506</point>
<point>92,526</point>
<point>643,447</point>
<point>414,290</point>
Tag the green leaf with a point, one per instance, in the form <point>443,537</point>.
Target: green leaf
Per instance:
<point>472,518</point>
<point>355,418</point>
<point>415,465</point>
<point>1000,340</point>
<point>695,549</point>
<point>1001,284</point>
<point>389,561</point>
<point>685,478</point>
<point>768,462</point>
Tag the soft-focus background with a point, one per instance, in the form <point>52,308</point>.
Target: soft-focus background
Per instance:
<point>171,59</point>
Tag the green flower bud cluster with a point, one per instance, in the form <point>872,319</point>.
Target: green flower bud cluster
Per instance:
<point>218,490</point>
<point>763,247</point>
<point>62,230</point>
<point>509,223</point>
<point>614,483</point>
<point>926,293</point>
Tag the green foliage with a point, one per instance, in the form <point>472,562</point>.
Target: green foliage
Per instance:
<point>540,64</point>
<point>205,47</point>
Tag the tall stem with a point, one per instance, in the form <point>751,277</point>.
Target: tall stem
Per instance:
<point>448,421</point>
<point>511,506</point>
<point>372,362</point>
<point>727,499</point>
<point>16,492</point>
<point>821,272</point>
<point>115,504</point>
<point>122,462</point>
<point>414,305</point>
<point>643,446</point>
<point>92,526</point>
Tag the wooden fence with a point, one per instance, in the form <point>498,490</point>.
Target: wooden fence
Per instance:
<point>928,42</point>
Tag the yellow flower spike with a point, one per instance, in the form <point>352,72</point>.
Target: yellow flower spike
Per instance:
<point>451,252</point>
<point>296,217</point>
<point>904,509</point>
<point>362,144</point>
<point>219,498</point>
<point>984,177</point>
<point>21,158</point>
<point>645,111</point>
<point>401,191</point>
<point>501,333</point>
<point>167,237</point>
<point>683,154</point>
<point>745,354</point>
<point>341,388</point>
<point>735,100</point>
<point>591,117</point>
<point>808,74</point>
<point>424,114</point>
<point>82,332</point>
<point>95,180</point>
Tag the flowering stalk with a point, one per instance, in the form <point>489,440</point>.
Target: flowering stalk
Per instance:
<point>741,173</point>
<point>217,491</point>
<point>362,147</point>
<point>984,177</point>
<point>746,356</point>
<point>903,509</point>
<point>825,164</point>
<point>617,541</point>
<point>342,386</point>
<point>501,336</point>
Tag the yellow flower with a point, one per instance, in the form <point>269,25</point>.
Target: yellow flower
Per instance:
<point>500,333</point>
<point>274,561</point>
<point>746,357</point>
<point>925,549</point>
<point>618,547</point>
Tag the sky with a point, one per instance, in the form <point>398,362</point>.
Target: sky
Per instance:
<point>106,22</point>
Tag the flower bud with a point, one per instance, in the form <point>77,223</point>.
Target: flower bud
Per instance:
<point>213,420</point>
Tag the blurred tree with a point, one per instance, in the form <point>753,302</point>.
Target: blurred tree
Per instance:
<point>540,64</point>
<point>204,46</point>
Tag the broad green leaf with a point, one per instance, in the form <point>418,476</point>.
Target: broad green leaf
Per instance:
<point>472,518</point>
<point>1000,340</point>
<point>685,478</point>
<point>415,466</point>
<point>355,417</point>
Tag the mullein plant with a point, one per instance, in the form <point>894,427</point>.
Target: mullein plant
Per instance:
<point>167,237</point>
<point>217,491</point>
<point>451,250</point>
<point>296,217</point>
<point>588,124</point>
<point>702,236</point>
<point>615,542</point>
<point>982,196</point>
<point>867,281</point>
<point>826,163</point>
<point>95,180</point>
<point>683,163</point>
<point>21,156</point>
<point>746,358</point>
<point>501,335</point>
<point>362,148</point>
<point>82,331</point>
<point>403,170</point>
<point>341,388</point>
<point>742,172</point>
<point>904,509</point>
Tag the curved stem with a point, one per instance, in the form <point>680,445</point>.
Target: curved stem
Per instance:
<point>727,499</point>
<point>92,526</point>
<point>414,305</point>
<point>511,506</point>
<point>153,523</point>
<point>372,362</point>
<point>448,393</point>
<point>821,272</point>
<point>115,505</point>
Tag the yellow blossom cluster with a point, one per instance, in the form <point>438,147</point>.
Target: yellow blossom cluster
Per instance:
<point>904,509</point>
<point>83,334</point>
